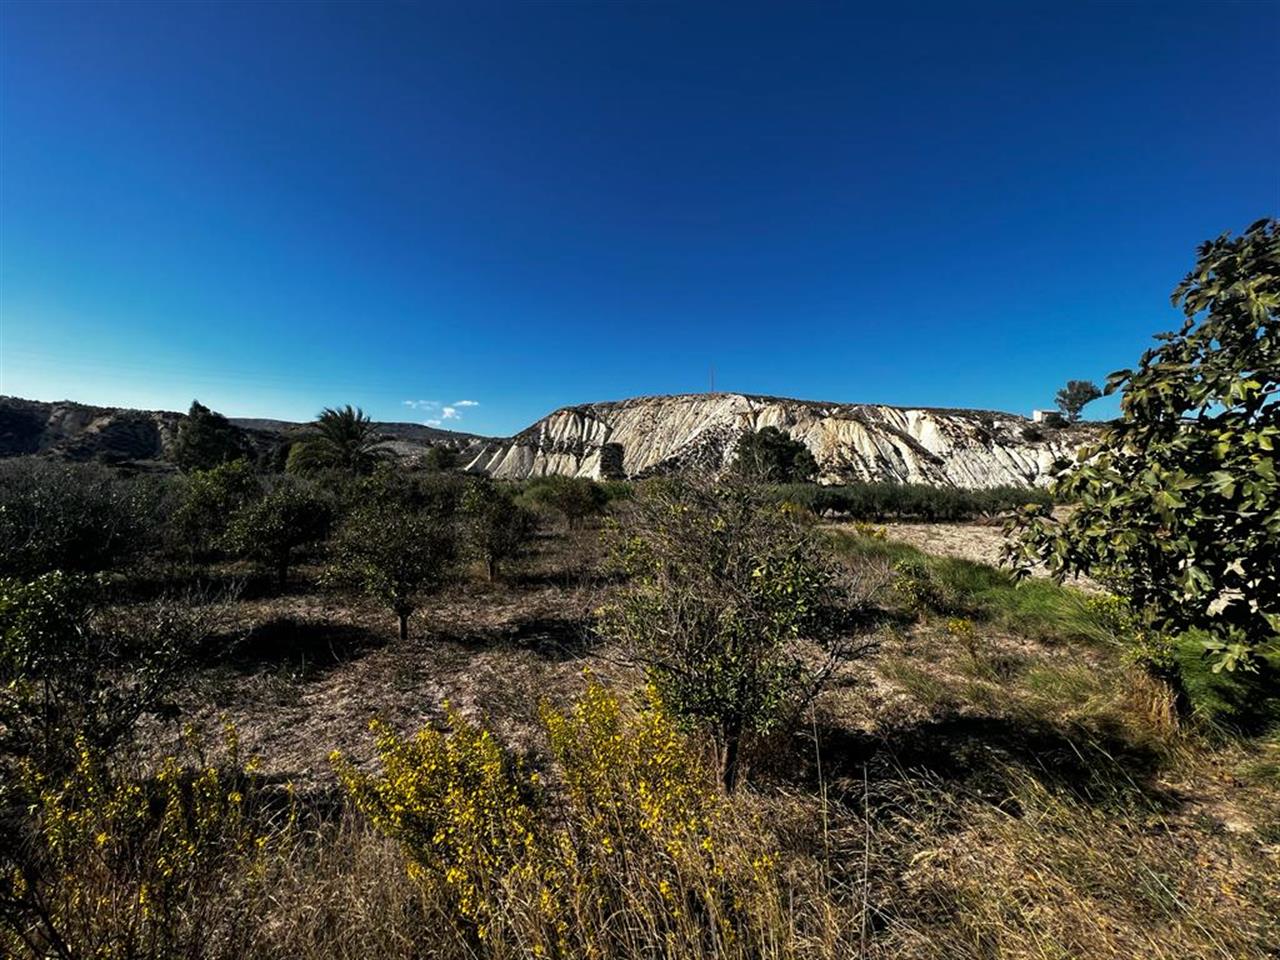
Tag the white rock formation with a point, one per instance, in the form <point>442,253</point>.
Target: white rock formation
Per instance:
<point>648,435</point>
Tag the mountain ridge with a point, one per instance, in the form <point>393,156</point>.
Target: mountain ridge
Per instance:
<point>628,438</point>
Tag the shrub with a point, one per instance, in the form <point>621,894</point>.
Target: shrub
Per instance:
<point>734,612</point>
<point>393,555</point>
<point>72,517</point>
<point>917,588</point>
<point>625,849</point>
<point>114,861</point>
<point>271,530</point>
<point>574,498</point>
<point>70,674</point>
<point>498,529</point>
<point>439,458</point>
<point>879,501</point>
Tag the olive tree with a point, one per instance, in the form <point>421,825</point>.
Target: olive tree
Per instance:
<point>736,614</point>
<point>393,555</point>
<point>1178,503</point>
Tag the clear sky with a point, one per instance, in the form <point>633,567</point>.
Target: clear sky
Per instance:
<point>276,207</point>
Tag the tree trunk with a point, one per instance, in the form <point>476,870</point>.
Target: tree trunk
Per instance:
<point>404,624</point>
<point>282,572</point>
<point>732,755</point>
<point>489,568</point>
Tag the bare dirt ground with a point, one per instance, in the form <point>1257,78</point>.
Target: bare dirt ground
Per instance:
<point>308,670</point>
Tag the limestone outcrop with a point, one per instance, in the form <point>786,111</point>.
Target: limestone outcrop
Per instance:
<point>652,435</point>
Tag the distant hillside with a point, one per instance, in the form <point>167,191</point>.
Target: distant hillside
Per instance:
<point>625,438</point>
<point>77,431</point>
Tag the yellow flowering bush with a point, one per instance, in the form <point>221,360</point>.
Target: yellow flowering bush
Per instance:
<point>459,807</point>
<point>114,863</point>
<point>626,840</point>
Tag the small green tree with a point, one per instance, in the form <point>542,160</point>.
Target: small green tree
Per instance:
<point>342,439</point>
<point>497,528</point>
<point>1075,396</point>
<point>270,530</point>
<point>1178,504</point>
<point>769,455</point>
<point>207,502</point>
<point>393,555</point>
<point>574,498</point>
<point>206,439</point>
<point>732,608</point>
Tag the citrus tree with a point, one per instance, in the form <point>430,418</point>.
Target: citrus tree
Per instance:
<point>393,555</point>
<point>497,528</point>
<point>272,529</point>
<point>1178,503</point>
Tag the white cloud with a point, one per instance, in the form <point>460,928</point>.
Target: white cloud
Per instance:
<point>450,413</point>
<point>432,423</point>
<point>467,403</point>
<point>422,404</point>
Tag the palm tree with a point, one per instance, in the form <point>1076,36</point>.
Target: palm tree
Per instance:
<point>343,439</point>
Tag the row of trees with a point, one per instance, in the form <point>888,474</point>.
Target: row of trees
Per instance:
<point>395,534</point>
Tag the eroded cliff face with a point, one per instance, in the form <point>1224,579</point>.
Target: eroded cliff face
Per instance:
<point>650,435</point>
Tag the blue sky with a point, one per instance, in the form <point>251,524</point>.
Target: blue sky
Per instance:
<point>276,207</point>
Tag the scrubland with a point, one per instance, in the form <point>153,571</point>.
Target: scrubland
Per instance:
<point>996,781</point>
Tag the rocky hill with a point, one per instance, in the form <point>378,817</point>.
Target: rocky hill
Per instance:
<point>649,435</point>
<point>627,438</point>
<point>144,438</point>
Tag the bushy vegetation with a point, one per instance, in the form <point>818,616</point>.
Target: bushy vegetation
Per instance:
<point>70,516</point>
<point>769,455</point>
<point>206,440</point>
<point>733,611</point>
<point>573,498</point>
<point>906,501</point>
